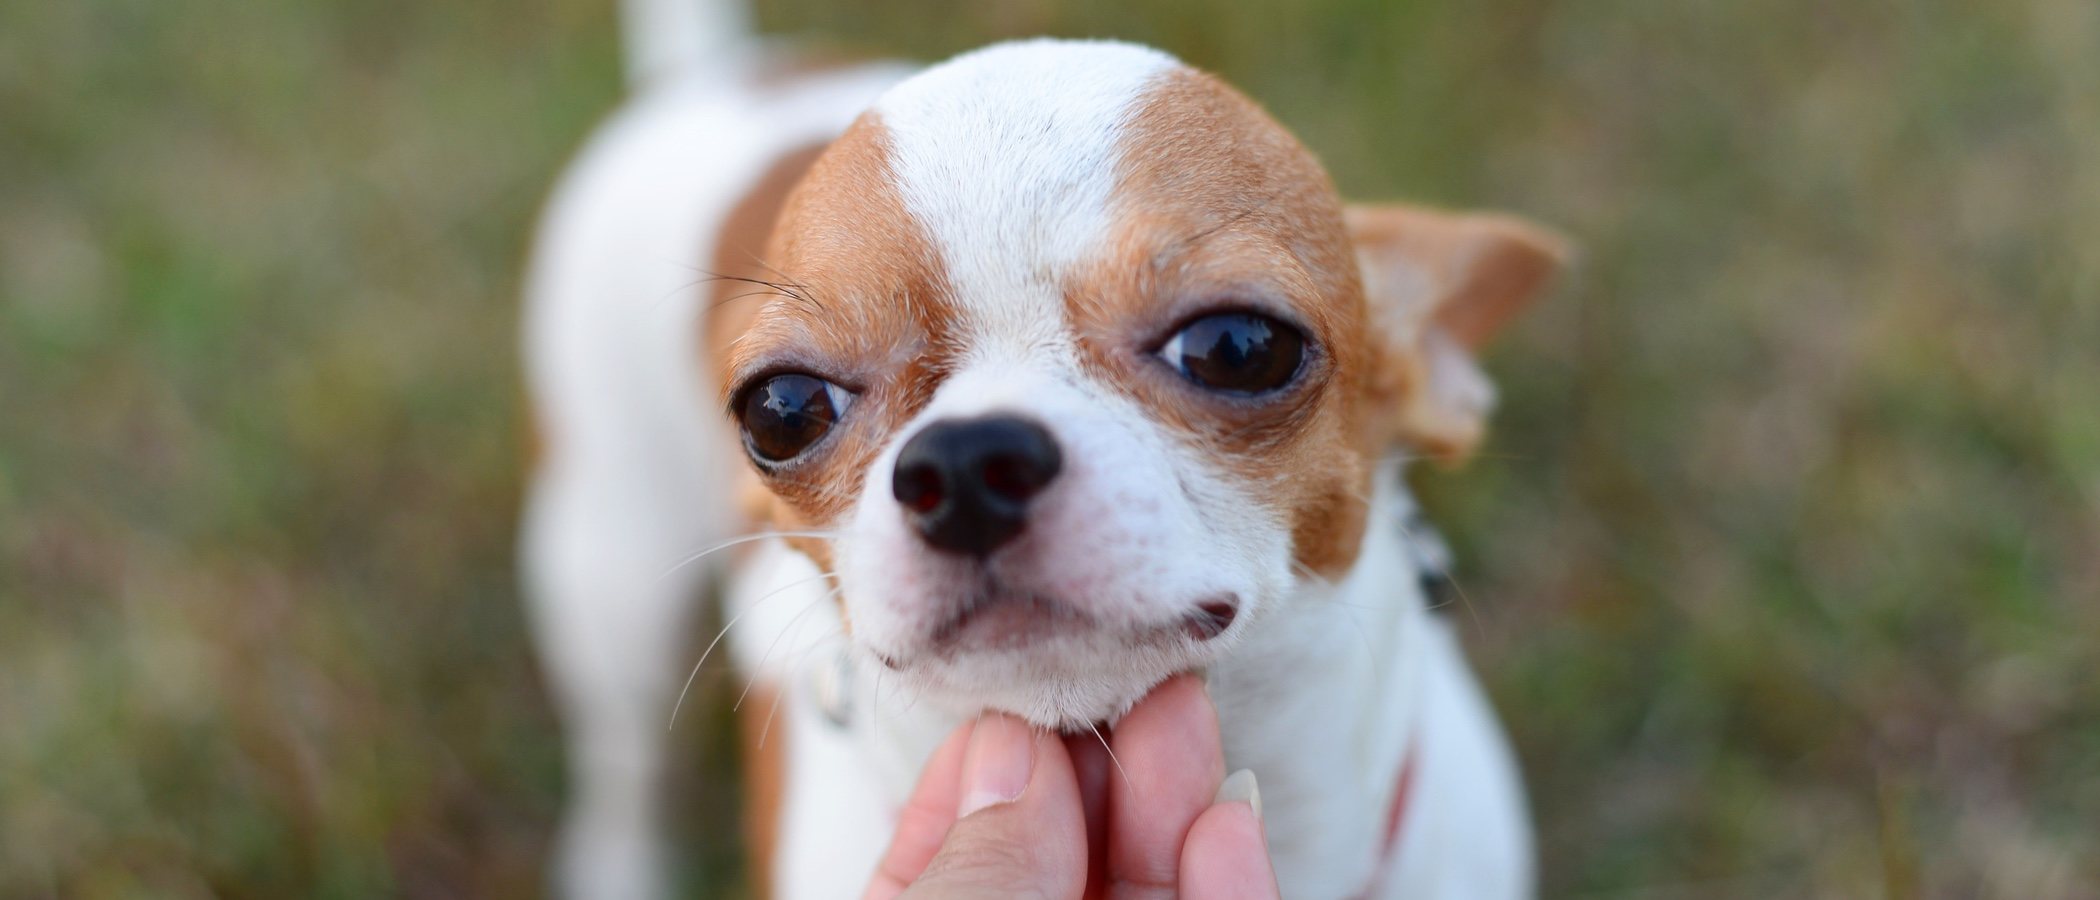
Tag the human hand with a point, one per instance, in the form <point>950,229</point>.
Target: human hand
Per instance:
<point>1003,810</point>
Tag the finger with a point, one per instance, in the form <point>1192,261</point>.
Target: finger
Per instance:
<point>1168,746</point>
<point>1020,830</point>
<point>1091,766</point>
<point>925,819</point>
<point>1226,856</point>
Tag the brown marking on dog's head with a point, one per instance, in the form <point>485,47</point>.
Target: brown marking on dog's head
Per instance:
<point>862,287</point>
<point>1220,208</point>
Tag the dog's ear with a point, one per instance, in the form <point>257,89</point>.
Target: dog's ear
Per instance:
<point>1438,285</point>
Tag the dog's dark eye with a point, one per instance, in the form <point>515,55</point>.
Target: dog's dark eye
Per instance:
<point>1236,352</point>
<point>787,414</point>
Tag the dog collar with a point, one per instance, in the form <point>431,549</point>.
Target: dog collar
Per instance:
<point>1395,818</point>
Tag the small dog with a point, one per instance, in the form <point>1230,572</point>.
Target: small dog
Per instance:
<point>1049,372</point>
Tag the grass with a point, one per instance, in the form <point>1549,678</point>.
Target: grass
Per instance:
<point>1784,561</point>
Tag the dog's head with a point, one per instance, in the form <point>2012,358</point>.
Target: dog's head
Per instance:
<point>1083,367</point>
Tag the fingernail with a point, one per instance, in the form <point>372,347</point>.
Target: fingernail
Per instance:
<point>1239,787</point>
<point>998,764</point>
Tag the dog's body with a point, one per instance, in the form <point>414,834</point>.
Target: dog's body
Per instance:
<point>1382,770</point>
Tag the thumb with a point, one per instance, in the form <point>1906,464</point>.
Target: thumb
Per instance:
<point>1020,830</point>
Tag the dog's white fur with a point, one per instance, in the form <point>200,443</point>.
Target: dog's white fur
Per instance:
<point>1323,688</point>
<point>1130,545</point>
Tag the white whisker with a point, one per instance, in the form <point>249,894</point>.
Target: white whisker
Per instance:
<point>698,555</point>
<point>759,668</point>
<point>725,630</point>
<point>1112,760</point>
<point>778,695</point>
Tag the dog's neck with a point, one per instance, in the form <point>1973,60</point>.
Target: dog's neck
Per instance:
<point>1320,701</point>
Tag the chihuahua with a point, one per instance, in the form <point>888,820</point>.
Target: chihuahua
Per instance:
<point>1022,382</point>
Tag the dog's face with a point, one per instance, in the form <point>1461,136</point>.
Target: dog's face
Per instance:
<point>1079,371</point>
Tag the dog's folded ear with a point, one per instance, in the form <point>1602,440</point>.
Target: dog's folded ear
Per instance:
<point>1438,286</point>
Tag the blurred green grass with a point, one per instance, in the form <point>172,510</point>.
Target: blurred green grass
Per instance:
<point>1784,562</point>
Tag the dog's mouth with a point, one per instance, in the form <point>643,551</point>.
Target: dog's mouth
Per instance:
<point>1001,620</point>
<point>997,619</point>
<point>1054,659</point>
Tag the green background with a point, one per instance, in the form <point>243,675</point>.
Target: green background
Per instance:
<point>1784,561</point>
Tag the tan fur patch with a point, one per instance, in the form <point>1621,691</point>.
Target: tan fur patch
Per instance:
<point>765,778</point>
<point>865,288</point>
<point>1219,207</point>
<point>738,259</point>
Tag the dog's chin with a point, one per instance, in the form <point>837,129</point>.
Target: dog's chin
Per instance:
<point>1049,664</point>
<point>1048,694</point>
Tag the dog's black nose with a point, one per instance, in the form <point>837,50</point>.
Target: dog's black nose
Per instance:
<point>965,483</point>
